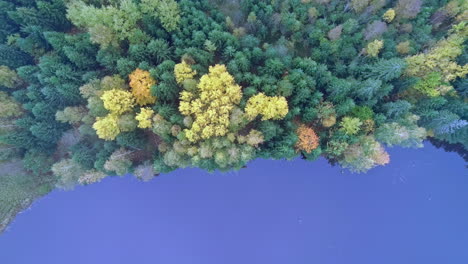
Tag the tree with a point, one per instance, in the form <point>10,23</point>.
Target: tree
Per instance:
<point>9,108</point>
<point>91,176</point>
<point>389,15</point>
<point>362,112</point>
<point>37,162</point>
<point>141,82</point>
<point>68,172</point>
<point>432,85</point>
<point>9,78</point>
<point>370,90</point>
<point>374,47</point>
<point>335,33</point>
<point>364,155</point>
<point>452,129</point>
<point>326,114</point>
<point>375,30</point>
<point>183,71</point>
<point>117,22</point>
<point>254,138</point>
<point>403,47</point>
<point>307,139</point>
<point>118,101</point>
<point>404,133</point>
<point>159,50</point>
<point>145,172</point>
<point>166,10</point>
<point>110,24</point>
<point>387,70</point>
<point>72,115</point>
<point>211,104</point>
<point>394,110</point>
<point>335,148</point>
<point>119,162</point>
<point>269,107</point>
<point>127,122</point>
<point>350,125</point>
<point>12,57</point>
<point>144,117</point>
<point>107,127</point>
<point>359,5</point>
<point>408,8</point>
<point>441,58</point>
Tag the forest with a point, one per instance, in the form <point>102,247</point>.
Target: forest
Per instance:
<point>95,88</point>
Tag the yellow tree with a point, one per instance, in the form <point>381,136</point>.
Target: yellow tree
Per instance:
<point>389,15</point>
<point>144,117</point>
<point>374,47</point>
<point>183,71</point>
<point>211,105</point>
<point>269,107</point>
<point>8,106</point>
<point>441,58</point>
<point>118,101</point>
<point>141,82</point>
<point>107,128</point>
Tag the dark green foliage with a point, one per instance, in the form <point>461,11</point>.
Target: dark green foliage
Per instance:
<point>362,112</point>
<point>396,109</point>
<point>133,140</point>
<point>13,57</point>
<point>84,153</point>
<point>387,70</point>
<point>8,25</point>
<point>104,151</point>
<point>37,162</point>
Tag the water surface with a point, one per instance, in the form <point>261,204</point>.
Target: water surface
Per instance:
<point>414,210</point>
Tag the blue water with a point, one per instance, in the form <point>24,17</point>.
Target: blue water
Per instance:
<point>414,210</point>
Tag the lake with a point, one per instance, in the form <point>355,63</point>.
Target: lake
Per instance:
<point>414,210</point>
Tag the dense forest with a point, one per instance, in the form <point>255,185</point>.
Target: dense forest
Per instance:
<point>91,88</point>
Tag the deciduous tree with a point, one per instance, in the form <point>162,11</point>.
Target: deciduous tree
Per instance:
<point>307,139</point>
<point>211,104</point>
<point>141,82</point>
<point>269,107</point>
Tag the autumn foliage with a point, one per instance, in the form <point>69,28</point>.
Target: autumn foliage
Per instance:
<point>141,82</point>
<point>183,71</point>
<point>269,107</point>
<point>118,101</point>
<point>144,117</point>
<point>211,104</point>
<point>107,127</point>
<point>308,139</point>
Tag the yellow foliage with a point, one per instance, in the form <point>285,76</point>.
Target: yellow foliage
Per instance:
<point>329,121</point>
<point>9,107</point>
<point>141,82</point>
<point>374,47</point>
<point>270,107</point>
<point>456,7</point>
<point>403,47</point>
<point>441,58</point>
<point>118,101</point>
<point>211,105</point>
<point>107,128</point>
<point>389,15</point>
<point>463,16</point>
<point>183,71</point>
<point>144,117</point>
